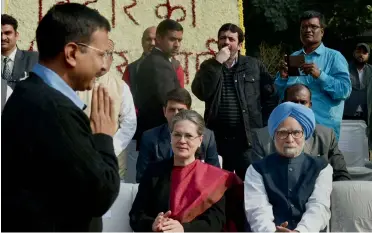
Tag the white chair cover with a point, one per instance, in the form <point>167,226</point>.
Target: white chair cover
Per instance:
<point>117,218</point>
<point>351,206</point>
<point>353,143</point>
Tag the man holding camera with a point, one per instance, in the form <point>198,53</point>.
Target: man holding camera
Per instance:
<point>323,70</point>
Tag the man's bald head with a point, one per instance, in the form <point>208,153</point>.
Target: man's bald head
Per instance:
<point>148,39</point>
<point>299,94</point>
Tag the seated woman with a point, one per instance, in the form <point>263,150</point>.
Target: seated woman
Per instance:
<point>182,193</point>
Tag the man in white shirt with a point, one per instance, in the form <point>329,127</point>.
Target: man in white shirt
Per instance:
<point>124,108</point>
<point>15,63</point>
<point>289,190</point>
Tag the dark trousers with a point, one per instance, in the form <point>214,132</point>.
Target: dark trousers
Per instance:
<point>235,152</point>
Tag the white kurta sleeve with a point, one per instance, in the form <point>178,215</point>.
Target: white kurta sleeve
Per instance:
<point>317,214</point>
<point>258,210</point>
<point>127,122</point>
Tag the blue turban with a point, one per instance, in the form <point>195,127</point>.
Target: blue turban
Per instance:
<point>304,116</point>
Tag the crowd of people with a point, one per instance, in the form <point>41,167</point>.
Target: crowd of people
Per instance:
<point>67,123</point>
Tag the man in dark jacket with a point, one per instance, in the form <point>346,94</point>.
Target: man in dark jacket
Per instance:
<point>323,141</point>
<point>157,76</point>
<point>356,106</point>
<point>148,43</point>
<point>60,168</point>
<point>156,142</point>
<point>235,89</point>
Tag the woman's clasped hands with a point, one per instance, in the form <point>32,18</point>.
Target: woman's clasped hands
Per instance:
<point>163,223</point>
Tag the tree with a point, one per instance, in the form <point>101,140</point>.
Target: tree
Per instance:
<point>277,21</point>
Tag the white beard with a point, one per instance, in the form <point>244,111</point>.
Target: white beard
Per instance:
<point>291,152</point>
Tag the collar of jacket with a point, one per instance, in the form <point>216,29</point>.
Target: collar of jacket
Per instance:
<point>242,62</point>
<point>157,51</point>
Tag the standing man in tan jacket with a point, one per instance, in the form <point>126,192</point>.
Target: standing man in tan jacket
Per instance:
<point>124,109</point>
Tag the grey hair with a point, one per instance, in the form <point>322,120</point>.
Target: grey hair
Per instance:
<point>192,116</point>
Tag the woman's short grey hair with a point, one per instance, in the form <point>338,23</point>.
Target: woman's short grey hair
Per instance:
<point>192,116</point>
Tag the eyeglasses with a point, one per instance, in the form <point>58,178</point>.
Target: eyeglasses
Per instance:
<point>104,54</point>
<point>179,136</point>
<point>283,134</point>
<point>312,27</point>
<point>361,51</point>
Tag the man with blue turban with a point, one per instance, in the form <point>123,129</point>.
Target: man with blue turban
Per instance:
<point>322,143</point>
<point>289,190</point>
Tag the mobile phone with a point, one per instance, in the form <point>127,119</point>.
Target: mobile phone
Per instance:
<point>294,63</point>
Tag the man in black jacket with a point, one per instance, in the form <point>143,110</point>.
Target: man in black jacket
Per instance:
<point>59,168</point>
<point>156,76</point>
<point>356,106</point>
<point>235,89</point>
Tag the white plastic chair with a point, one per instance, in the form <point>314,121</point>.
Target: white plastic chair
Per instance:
<point>117,218</point>
<point>351,206</point>
<point>353,143</point>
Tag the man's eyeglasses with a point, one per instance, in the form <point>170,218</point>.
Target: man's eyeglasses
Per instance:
<point>188,137</point>
<point>283,134</point>
<point>104,54</point>
<point>312,27</point>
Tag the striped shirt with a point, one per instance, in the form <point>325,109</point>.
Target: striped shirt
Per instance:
<point>229,113</point>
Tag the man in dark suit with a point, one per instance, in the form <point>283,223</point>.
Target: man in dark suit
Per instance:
<point>356,106</point>
<point>16,63</point>
<point>157,76</point>
<point>61,169</point>
<point>148,43</point>
<point>323,142</point>
<point>155,143</point>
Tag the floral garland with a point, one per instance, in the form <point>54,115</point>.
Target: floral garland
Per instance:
<point>31,48</point>
<point>60,2</point>
<point>63,2</point>
<point>89,2</point>
<point>129,14</point>
<point>40,10</point>
<point>125,63</point>
<point>113,13</point>
<point>193,13</point>
<point>241,23</point>
<point>209,52</point>
<point>170,10</point>
<point>186,68</point>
